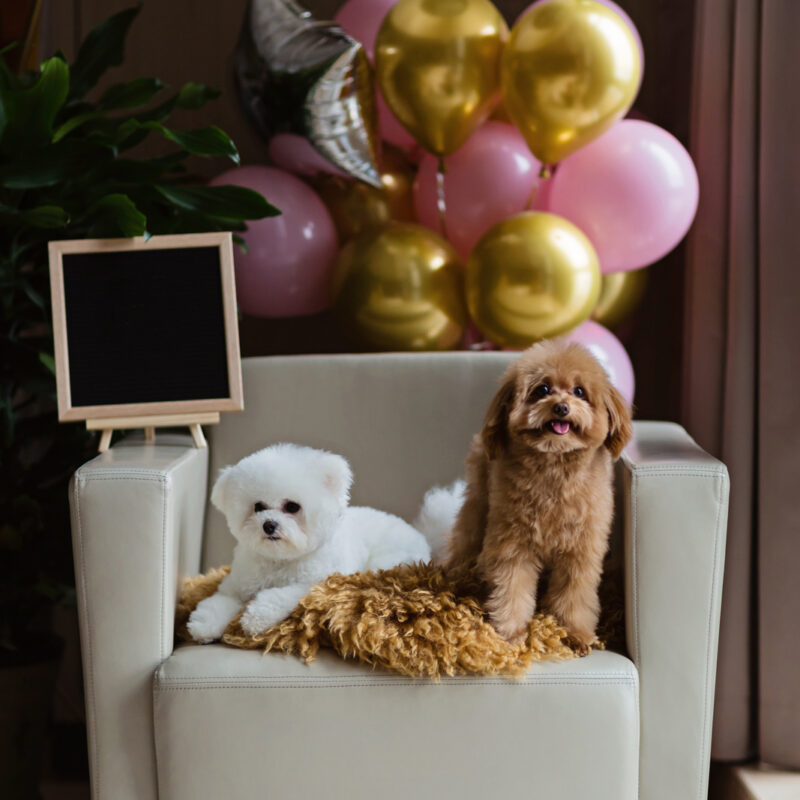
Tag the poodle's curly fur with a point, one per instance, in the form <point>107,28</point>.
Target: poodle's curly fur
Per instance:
<point>539,492</point>
<point>411,619</point>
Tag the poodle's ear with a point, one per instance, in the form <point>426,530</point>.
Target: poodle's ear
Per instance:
<point>220,491</point>
<point>620,427</point>
<point>495,426</point>
<point>337,477</point>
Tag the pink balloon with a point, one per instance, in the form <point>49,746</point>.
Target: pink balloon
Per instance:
<point>296,154</point>
<point>488,179</point>
<point>628,21</point>
<point>633,192</point>
<point>286,270</point>
<point>608,350</point>
<point>389,126</point>
<point>541,197</point>
<point>362,19</point>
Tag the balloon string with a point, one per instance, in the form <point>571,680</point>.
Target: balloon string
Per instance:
<point>440,202</point>
<point>545,172</point>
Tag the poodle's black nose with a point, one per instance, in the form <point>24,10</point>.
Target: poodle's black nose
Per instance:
<point>269,526</point>
<point>561,409</point>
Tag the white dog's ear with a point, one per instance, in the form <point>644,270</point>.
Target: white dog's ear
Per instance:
<point>220,491</point>
<point>337,476</point>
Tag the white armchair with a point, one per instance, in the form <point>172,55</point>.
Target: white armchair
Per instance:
<point>213,722</point>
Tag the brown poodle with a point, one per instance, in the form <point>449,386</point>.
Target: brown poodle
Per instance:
<point>539,489</point>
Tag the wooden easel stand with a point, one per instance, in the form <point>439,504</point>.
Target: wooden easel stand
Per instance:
<point>150,423</point>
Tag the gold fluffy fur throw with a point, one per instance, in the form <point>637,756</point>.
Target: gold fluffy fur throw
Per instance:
<point>411,619</point>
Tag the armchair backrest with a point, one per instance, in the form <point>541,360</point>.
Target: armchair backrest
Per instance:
<point>403,421</point>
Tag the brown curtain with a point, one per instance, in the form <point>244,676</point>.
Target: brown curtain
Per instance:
<point>742,355</point>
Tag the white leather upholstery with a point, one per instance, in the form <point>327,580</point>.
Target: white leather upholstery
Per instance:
<point>231,723</point>
<point>137,514</point>
<point>339,731</point>
<point>675,515</point>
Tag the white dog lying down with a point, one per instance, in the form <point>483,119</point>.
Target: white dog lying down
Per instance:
<point>287,507</point>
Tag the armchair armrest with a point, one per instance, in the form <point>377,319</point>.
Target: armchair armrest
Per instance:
<point>675,507</point>
<point>137,521</point>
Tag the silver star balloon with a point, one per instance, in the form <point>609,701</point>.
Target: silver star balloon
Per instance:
<point>302,76</point>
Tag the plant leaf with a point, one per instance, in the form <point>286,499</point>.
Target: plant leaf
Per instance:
<point>210,141</point>
<point>75,122</point>
<point>224,203</point>
<point>46,217</point>
<point>53,164</point>
<point>104,47</point>
<point>195,95</point>
<point>48,361</point>
<point>137,92</point>
<point>28,114</point>
<point>116,215</point>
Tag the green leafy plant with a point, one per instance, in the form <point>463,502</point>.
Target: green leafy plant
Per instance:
<point>66,172</point>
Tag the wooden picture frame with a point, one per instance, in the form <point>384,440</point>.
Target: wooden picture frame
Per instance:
<point>157,413</point>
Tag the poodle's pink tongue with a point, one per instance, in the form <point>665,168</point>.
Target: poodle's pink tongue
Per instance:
<point>560,427</point>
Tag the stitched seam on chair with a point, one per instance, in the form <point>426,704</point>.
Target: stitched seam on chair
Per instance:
<point>706,687</point>
<point>161,619</point>
<point>86,470</point>
<point>156,727</point>
<point>89,653</point>
<point>635,559</point>
<point>152,477</point>
<point>678,471</point>
<point>637,782</point>
<point>382,684</point>
<point>591,677</point>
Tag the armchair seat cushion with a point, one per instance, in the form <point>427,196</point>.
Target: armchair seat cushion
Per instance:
<point>274,726</point>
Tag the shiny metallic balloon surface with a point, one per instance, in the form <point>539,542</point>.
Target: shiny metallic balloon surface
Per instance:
<point>530,277</point>
<point>570,70</point>
<point>400,287</point>
<point>354,206</point>
<point>437,63</point>
<point>620,293</point>
<point>302,76</point>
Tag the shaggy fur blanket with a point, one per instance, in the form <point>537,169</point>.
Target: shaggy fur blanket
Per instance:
<point>412,619</point>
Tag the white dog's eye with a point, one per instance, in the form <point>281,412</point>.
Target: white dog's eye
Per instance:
<point>290,507</point>
<point>259,507</point>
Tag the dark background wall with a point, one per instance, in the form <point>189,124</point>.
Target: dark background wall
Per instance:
<point>180,40</point>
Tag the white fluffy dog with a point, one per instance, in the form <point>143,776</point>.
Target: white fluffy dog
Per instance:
<point>287,507</point>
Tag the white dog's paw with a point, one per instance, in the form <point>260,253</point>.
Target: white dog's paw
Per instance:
<point>271,606</point>
<point>258,619</point>
<point>208,621</point>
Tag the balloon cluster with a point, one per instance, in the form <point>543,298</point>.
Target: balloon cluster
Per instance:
<point>511,189</point>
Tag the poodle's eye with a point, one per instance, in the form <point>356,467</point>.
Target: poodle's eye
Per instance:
<point>579,391</point>
<point>290,507</point>
<point>259,507</point>
<point>542,390</point>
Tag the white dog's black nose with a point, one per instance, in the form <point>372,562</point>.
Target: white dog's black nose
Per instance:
<point>270,526</point>
<point>561,409</point>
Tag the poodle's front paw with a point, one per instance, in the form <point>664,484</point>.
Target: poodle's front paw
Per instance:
<point>511,631</point>
<point>208,621</point>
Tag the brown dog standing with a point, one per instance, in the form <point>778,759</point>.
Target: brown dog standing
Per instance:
<point>539,489</point>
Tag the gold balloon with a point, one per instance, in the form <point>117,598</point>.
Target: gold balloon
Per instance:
<point>437,63</point>
<point>400,287</point>
<point>620,293</point>
<point>570,70</point>
<point>531,276</point>
<point>355,206</point>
